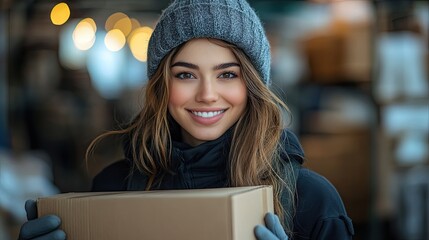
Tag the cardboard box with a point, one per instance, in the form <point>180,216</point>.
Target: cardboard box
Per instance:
<point>222,213</point>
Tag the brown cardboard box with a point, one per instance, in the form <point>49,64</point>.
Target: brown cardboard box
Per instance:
<point>222,213</point>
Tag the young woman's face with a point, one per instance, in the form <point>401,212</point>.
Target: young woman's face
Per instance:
<point>207,92</point>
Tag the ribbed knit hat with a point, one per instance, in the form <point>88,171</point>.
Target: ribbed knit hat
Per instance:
<point>233,21</point>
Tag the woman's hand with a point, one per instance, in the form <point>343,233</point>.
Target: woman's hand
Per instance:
<point>43,228</point>
<point>272,230</point>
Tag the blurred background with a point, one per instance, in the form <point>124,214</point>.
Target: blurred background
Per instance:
<point>354,74</point>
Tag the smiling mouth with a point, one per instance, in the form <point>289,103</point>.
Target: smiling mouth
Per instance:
<point>207,114</point>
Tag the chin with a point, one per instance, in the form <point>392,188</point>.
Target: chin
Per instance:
<point>207,137</point>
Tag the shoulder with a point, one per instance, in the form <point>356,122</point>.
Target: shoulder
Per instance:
<point>291,146</point>
<point>113,177</point>
<point>320,211</point>
<point>311,185</point>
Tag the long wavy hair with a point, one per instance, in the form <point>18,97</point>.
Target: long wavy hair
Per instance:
<point>252,160</point>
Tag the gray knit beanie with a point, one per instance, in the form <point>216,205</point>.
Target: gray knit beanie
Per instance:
<point>233,21</point>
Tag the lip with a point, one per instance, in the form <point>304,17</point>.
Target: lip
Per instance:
<point>207,120</point>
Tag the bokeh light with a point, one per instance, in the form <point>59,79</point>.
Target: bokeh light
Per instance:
<point>84,34</point>
<point>138,41</point>
<point>113,19</point>
<point>91,22</point>
<point>114,40</point>
<point>134,24</point>
<point>60,13</point>
<point>124,24</point>
<point>70,56</point>
<point>106,68</point>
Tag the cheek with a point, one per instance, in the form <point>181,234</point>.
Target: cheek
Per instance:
<point>178,95</point>
<point>236,96</point>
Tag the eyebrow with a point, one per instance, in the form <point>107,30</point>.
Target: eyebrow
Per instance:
<point>185,64</point>
<point>226,65</point>
<point>217,67</point>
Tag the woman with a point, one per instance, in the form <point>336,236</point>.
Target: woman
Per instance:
<point>209,120</point>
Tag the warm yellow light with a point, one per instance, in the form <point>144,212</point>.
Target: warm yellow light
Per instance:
<point>84,35</point>
<point>112,19</point>
<point>60,13</point>
<point>134,24</point>
<point>91,22</point>
<point>119,21</point>
<point>139,41</point>
<point>145,29</point>
<point>114,40</point>
<point>123,24</point>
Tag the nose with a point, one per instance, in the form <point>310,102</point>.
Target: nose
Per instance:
<point>207,91</point>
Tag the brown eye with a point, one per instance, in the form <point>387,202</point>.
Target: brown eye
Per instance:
<point>184,75</point>
<point>228,75</point>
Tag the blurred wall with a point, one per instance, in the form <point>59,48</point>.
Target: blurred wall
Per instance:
<point>354,74</point>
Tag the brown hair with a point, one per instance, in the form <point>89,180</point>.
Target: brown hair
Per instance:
<point>253,160</point>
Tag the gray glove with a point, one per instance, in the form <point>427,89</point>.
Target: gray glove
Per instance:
<point>43,228</point>
<point>272,230</point>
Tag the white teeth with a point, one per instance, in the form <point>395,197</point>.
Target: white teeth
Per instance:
<point>207,114</point>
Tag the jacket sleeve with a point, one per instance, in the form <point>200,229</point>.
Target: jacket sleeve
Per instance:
<point>334,228</point>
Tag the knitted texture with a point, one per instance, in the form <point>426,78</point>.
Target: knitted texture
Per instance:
<point>233,21</point>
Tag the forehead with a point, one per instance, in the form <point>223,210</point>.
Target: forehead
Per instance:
<point>202,50</point>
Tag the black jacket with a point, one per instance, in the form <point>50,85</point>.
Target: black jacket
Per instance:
<point>320,213</point>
